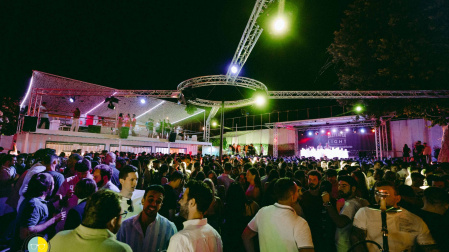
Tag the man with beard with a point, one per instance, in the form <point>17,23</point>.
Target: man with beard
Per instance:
<point>197,235</point>
<point>69,171</point>
<point>131,198</point>
<point>102,219</point>
<point>148,231</point>
<point>102,176</point>
<point>312,206</point>
<point>405,230</point>
<point>349,205</point>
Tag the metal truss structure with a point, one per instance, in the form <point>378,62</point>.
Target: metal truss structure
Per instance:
<point>212,113</point>
<point>221,80</point>
<point>105,92</point>
<point>410,94</point>
<point>250,36</point>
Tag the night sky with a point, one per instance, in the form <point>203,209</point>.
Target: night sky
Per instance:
<point>158,44</point>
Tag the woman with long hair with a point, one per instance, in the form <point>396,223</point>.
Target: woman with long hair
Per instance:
<point>253,192</point>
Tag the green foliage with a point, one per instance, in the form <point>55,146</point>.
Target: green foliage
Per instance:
<point>164,125</point>
<point>9,116</point>
<point>216,142</point>
<point>395,45</point>
<point>191,109</point>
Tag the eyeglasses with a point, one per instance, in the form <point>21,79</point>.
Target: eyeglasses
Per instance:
<point>124,214</point>
<point>131,206</point>
<point>35,246</point>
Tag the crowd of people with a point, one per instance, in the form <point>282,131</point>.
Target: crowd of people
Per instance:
<point>154,202</point>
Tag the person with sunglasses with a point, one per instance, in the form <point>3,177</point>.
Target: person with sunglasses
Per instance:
<point>131,198</point>
<point>101,221</point>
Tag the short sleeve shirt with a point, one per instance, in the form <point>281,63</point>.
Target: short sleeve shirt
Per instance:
<point>281,229</point>
<point>404,229</point>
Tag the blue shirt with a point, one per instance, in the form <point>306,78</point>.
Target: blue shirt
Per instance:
<point>156,238</point>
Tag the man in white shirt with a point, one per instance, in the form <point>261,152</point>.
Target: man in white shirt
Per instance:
<point>347,187</point>
<point>44,116</point>
<point>102,176</point>
<point>131,200</point>
<point>405,230</point>
<point>278,225</point>
<point>197,235</point>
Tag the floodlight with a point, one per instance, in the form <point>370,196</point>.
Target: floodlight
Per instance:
<point>322,131</point>
<point>279,24</point>
<point>111,105</point>
<point>310,133</point>
<point>234,69</point>
<point>214,124</point>
<point>328,133</point>
<point>72,99</point>
<point>334,130</point>
<point>341,132</point>
<point>347,129</point>
<point>358,108</point>
<point>142,101</point>
<point>373,130</point>
<point>260,100</point>
<point>362,130</point>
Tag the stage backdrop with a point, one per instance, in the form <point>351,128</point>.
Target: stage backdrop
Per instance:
<point>353,142</point>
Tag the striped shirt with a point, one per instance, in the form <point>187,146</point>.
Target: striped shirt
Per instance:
<point>156,238</point>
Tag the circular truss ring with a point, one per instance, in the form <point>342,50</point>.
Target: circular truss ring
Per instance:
<point>222,80</point>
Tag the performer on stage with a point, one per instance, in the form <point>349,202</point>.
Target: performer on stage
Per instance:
<point>76,120</point>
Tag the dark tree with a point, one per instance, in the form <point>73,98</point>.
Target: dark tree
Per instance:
<point>9,116</point>
<point>396,45</point>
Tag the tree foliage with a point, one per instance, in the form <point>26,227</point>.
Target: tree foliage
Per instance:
<point>395,45</point>
<point>9,116</point>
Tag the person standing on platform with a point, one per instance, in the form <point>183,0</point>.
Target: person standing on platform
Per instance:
<point>261,150</point>
<point>427,153</point>
<point>76,120</point>
<point>133,124</point>
<point>44,116</point>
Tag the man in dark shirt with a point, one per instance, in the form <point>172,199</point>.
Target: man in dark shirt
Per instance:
<point>169,204</point>
<point>312,206</point>
<point>50,162</point>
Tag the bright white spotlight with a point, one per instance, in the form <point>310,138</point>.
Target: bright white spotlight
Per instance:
<point>142,101</point>
<point>260,100</point>
<point>234,69</point>
<point>362,130</point>
<point>214,124</point>
<point>341,132</point>
<point>310,133</point>
<point>71,99</point>
<point>279,25</point>
<point>347,129</point>
<point>358,108</point>
<point>334,130</point>
<point>322,131</point>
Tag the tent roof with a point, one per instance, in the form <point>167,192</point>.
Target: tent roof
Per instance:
<point>57,90</point>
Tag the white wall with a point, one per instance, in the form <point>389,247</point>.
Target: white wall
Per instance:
<point>264,136</point>
<point>410,131</point>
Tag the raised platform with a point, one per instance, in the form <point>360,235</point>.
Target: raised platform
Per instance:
<point>67,141</point>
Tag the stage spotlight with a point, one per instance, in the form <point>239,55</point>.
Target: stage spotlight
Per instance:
<point>234,69</point>
<point>347,129</point>
<point>322,131</point>
<point>214,124</point>
<point>362,130</point>
<point>358,108</point>
<point>373,130</point>
<point>310,133</point>
<point>111,105</point>
<point>279,25</point>
<point>328,133</point>
<point>341,132</point>
<point>72,99</point>
<point>334,130</point>
<point>260,100</point>
<point>142,101</point>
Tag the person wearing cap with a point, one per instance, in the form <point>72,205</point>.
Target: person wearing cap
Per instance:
<point>349,205</point>
<point>148,231</point>
<point>169,204</point>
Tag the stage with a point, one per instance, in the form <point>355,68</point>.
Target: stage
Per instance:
<point>66,141</point>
